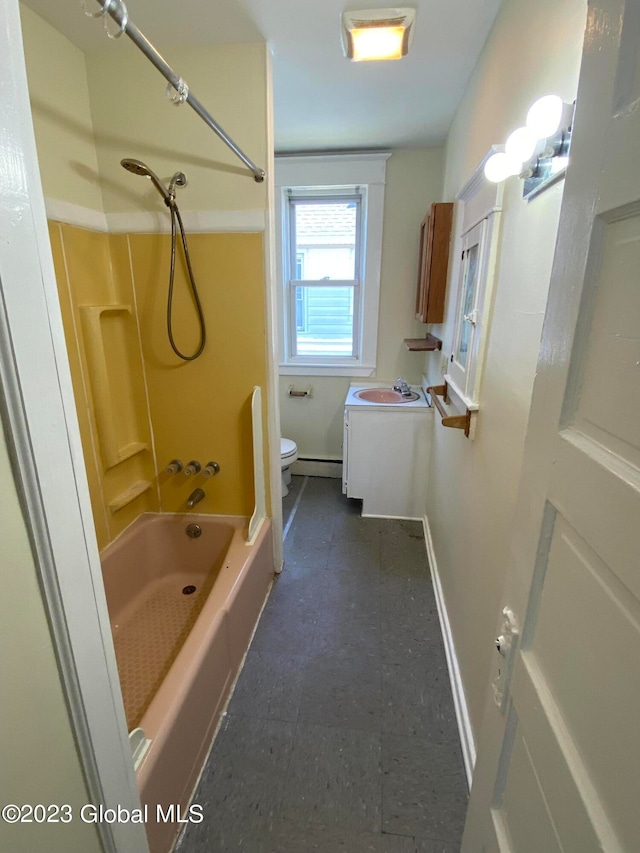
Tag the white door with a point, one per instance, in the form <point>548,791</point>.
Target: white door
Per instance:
<point>559,763</point>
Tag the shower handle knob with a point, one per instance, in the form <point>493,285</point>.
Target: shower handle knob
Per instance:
<point>211,469</point>
<point>174,467</point>
<point>192,468</point>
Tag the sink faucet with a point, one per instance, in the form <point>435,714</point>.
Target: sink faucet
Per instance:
<point>195,497</point>
<point>402,387</point>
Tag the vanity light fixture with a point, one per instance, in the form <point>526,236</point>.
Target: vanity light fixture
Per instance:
<point>377,33</point>
<point>539,151</point>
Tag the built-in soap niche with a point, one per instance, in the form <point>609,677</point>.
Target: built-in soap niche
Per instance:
<point>115,377</point>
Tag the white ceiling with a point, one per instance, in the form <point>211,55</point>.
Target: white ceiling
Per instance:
<point>322,101</point>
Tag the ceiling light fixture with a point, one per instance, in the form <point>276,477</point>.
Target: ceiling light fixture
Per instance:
<point>538,152</point>
<point>377,33</point>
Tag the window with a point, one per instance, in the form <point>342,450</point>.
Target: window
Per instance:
<point>325,246</point>
<point>329,248</point>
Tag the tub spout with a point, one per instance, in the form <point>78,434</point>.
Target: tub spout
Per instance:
<point>195,497</point>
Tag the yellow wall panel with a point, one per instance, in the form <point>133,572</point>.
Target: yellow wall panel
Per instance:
<point>201,409</point>
<point>98,305</point>
<point>87,431</point>
<point>135,395</point>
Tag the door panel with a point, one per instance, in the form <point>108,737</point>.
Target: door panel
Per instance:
<point>610,343</point>
<point>525,812</point>
<point>586,618</point>
<point>574,806</point>
<point>598,493</point>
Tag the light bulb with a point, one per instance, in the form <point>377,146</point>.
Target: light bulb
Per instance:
<point>521,144</point>
<point>377,43</point>
<point>501,166</point>
<point>545,115</point>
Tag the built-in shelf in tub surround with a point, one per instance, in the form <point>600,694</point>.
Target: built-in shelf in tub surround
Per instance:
<point>129,495</point>
<point>109,338</point>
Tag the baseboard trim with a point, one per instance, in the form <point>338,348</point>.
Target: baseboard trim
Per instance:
<point>317,468</point>
<point>459,699</point>
<point>392,517</point>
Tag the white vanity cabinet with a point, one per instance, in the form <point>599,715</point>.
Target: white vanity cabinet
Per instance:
<point>386,451</point>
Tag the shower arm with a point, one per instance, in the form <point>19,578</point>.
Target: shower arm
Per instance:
<point>118,11</point>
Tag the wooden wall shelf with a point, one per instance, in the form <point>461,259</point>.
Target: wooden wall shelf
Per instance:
<point>427,344</point>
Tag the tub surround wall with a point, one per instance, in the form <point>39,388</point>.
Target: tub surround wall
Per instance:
<point>413,182</point>
<point>92,269</point>
<point>159,407</point>
<point>202,409</point>
<point>474,483</point>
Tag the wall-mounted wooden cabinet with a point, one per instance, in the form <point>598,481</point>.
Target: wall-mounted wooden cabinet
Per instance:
<point>435,235</point>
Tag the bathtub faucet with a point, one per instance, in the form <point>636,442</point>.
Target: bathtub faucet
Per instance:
<point>195,497</point>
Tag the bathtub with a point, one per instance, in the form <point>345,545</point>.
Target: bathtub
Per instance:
<point>182,611</point>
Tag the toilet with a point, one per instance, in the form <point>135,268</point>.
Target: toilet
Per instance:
<point>288,455</point>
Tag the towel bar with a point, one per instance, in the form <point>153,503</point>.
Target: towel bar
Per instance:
<point>452,421</point>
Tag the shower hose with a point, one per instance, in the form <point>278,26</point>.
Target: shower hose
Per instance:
<point>175,217</point>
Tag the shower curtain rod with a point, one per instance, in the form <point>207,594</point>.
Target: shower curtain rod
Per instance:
<point>118,11</point>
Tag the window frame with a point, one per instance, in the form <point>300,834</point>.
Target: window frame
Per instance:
<point>324,176</point>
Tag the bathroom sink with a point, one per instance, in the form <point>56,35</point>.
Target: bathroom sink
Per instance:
<point>384,395</point>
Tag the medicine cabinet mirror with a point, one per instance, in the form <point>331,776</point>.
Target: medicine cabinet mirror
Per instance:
<point>476,233</point>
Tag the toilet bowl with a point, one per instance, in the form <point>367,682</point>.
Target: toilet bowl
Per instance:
<point>288,455</point>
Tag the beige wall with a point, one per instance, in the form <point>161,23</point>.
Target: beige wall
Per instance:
<point>40,763</point>
<point>133,118</point>
<point>473,484</point>
<point>414,181</point>
<point>61,114</point>
<point>90,111</point>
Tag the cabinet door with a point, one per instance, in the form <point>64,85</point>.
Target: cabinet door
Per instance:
<point>426,241</point>
<point>345,452</point>
<point>433,263</point>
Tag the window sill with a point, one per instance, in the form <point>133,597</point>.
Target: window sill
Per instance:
<point>326,370</point>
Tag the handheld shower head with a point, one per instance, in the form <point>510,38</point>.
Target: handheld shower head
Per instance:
<point>137,167</point>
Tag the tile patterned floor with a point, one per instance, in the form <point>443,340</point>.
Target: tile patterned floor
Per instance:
<point>341,732</point>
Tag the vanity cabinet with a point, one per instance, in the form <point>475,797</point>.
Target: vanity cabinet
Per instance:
<point>435,236</point>
<point>386,460</point>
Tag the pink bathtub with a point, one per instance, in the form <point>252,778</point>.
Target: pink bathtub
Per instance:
<point>182,610</point>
